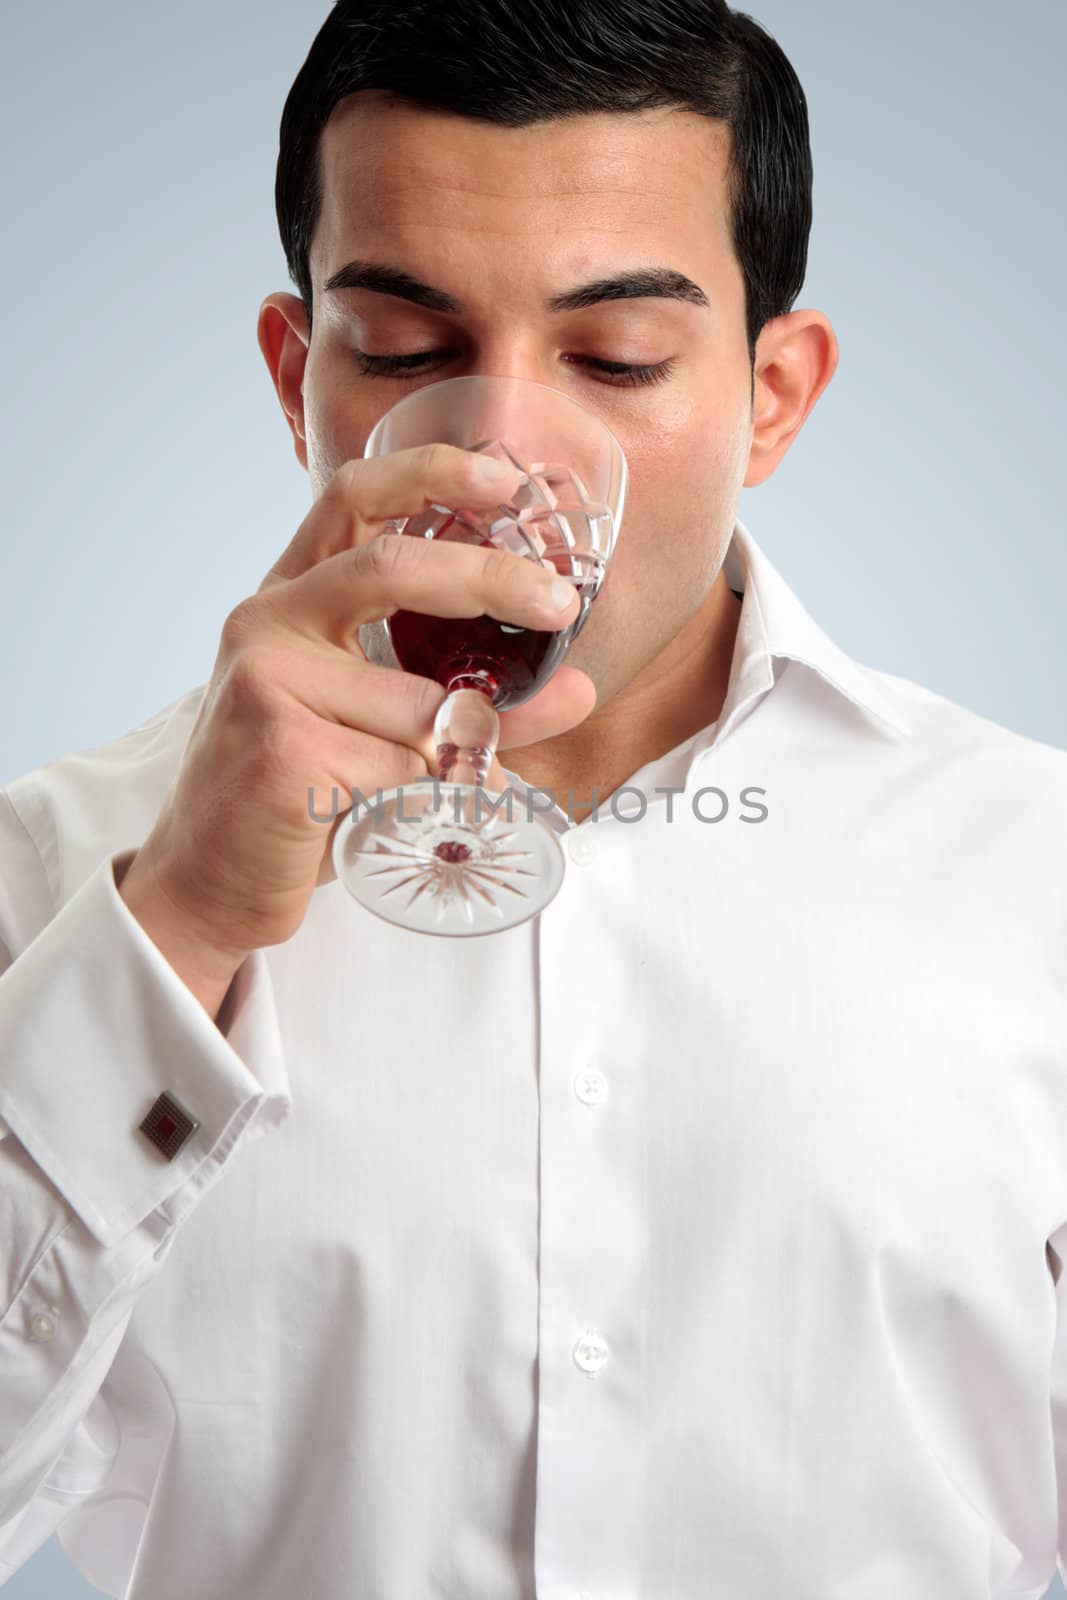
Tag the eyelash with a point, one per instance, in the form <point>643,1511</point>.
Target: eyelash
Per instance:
<point>629,375</point>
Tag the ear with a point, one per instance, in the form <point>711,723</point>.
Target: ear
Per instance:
<point>284,339</point>
<point>796,356</point>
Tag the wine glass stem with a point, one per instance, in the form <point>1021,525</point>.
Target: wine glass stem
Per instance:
<point>466,732</point>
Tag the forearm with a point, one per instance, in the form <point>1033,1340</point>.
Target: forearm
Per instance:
<point>206,972</point>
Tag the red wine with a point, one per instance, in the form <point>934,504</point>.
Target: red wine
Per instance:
<point>511,662</point>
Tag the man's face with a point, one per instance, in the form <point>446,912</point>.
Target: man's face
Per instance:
<point>502,220</point>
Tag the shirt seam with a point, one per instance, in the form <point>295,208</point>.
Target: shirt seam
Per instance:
<point>24,825</point>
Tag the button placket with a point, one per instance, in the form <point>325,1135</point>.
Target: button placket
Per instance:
<point>593,1261</point>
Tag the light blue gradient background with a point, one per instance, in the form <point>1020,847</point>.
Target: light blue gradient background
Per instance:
<point>148,474</point>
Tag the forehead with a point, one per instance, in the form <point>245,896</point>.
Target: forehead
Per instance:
<point>396,174</point>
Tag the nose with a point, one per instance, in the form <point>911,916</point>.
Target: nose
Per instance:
<point>498,408</point>
<point>516,410</point>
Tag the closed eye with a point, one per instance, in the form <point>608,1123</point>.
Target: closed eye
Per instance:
<point>619,374</point>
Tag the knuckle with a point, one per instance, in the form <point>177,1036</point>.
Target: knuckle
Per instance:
<point>347,490</point>
<point>467,468</point>
<point>344,484</point>
<point>252,681</point>
<point>447,469</point>
<point>240,624</point>
<point>385,555</point>
<point>433,460</point>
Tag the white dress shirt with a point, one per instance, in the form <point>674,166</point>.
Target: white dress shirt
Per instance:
<point>700,1239</point>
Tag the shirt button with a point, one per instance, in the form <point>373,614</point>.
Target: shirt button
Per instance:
<point>580,848</point>
<point>43,1325</point>
<point>590,1353</point>
<point>591,1086</point>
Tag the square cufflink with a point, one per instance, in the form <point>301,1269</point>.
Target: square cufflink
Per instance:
<point>168,1125</point>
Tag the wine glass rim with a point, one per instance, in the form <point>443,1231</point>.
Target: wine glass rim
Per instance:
<point>500,377</point>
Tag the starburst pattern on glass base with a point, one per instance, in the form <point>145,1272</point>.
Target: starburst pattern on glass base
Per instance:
<point>471,872</point>
<point>448,866</point>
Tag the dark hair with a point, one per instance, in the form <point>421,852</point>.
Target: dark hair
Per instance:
<point>515,62</point>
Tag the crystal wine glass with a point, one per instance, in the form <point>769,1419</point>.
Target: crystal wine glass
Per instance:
<point>443,855</point>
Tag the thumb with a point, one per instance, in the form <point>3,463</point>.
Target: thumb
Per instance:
<point>567,699</point>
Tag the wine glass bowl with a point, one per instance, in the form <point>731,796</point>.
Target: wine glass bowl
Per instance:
<point>552,519</point>
<point>438,856</point>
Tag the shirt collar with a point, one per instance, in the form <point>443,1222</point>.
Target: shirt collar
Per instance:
<point>775,626</point>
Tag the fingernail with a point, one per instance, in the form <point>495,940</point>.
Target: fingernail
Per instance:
<point>493,471</point>
<point>560,593</point>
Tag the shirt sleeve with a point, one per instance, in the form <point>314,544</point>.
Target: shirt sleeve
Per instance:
<point>94,1026</point>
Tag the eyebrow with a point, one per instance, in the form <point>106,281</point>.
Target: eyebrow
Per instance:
<point>660,283</point>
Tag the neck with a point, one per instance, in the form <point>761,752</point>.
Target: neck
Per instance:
<point>680,692</point>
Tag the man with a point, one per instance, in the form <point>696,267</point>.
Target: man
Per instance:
<point>703,1236</point>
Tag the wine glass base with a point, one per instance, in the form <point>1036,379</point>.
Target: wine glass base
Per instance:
<point>448,858</point>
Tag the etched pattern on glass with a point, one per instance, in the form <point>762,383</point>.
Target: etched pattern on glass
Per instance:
<point>456,848</point>
<point>551,518</point>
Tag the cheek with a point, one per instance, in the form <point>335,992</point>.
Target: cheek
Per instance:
<point>697,439</point>
<point>686,470</point>
<point>337,419</point>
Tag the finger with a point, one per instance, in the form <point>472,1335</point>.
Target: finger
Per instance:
<point>393,572</point>
<point>374,701</point>
<point>363,495</point>
<point>567,699</point>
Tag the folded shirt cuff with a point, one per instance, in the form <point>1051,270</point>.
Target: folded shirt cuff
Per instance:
<point>95,1025</point>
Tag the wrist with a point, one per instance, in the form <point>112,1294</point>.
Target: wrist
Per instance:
<point>206,967</point>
